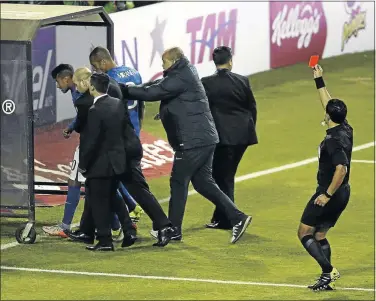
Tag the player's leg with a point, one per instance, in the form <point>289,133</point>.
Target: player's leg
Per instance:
<point>320,236</point>
<point>135,210</point>
<point>313,218</point>
<point>72,200</point>
<point>313,247</point>
<point>329,217</point>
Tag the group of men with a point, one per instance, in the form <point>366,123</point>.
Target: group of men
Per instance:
<point>109,159</point>
<point>209,123</point>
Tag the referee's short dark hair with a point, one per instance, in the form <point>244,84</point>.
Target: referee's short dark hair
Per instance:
<point>337,110</point>
<point>100,81</point>
<point>62,70</point>
<point>222,55</point>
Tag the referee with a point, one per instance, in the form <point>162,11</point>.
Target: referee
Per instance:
<point>333,191</point>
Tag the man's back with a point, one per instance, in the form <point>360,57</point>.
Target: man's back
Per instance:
<point>132,141</point>
<point>105,129</point>
<point>337,143</point>
<point>187,117</point>
<point>129,76</point>
<point>233,107</point>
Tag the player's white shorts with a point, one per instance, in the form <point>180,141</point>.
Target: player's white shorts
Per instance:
<point>75,174</point>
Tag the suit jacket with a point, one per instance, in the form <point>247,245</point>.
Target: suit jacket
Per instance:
<point>102,149</point>
<point>83,104</point>
<point>233,107</point>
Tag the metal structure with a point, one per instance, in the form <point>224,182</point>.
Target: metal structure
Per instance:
<point>19,25</point>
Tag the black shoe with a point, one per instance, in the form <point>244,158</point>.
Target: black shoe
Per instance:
<point>326,281</point>
<point>164,237</point>
<point>175,235</point>
<point>80,236</point>
<point>218,225</point>
<point>129,239</point>
<point>103,248</point>
<point>239,229</point>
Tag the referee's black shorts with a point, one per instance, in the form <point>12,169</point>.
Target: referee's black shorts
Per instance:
<point>327,216</point>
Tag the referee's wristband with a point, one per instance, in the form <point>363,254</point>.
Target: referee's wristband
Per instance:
<point>319,82</point>
<point>327,195</point>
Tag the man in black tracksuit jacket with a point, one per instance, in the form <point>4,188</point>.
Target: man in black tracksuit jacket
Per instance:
<point>186,117</point>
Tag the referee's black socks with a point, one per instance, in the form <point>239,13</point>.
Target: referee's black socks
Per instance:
<point>325,246</point>
<point>314,249</point>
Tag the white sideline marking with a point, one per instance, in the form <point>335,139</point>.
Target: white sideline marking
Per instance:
<point>175,278</point>
<point>280,168</point>
<point>9,245</point>
<point>256,175</point>
<point>363,161</point>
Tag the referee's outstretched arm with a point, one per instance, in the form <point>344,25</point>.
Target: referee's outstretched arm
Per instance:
<point>323,92</point>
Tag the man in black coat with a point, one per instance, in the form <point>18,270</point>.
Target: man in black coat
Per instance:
<point>234,111</point>
<point>133,178</point>
<point>186,117</point>
<point>102,160</point>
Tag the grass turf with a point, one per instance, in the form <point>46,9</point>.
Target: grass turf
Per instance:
<point>289,130</point>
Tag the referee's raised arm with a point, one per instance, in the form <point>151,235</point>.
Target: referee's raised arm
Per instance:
<point>320,85</point>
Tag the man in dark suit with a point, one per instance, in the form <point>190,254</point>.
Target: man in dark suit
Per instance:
<point>133,179</point>
<point>102,160</point>
<point>234,111</point>
<point>186,117</point>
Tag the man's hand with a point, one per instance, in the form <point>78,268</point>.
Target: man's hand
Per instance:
<point>322,200</point>
<point>67,132</point>
<point>317,71</point>
<point>124,90</point>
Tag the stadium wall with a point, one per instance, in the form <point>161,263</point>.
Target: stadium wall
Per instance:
<point>263,36</point>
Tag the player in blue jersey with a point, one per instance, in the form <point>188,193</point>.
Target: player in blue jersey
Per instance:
<point>63,74</point>
<point>101,60</point>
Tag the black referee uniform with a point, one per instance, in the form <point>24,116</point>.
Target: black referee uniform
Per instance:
<point>334,150</point>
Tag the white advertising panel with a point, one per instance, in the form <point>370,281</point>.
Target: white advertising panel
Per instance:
<point>73,46</point>
<point>142,34</point>
<point>351,27</point>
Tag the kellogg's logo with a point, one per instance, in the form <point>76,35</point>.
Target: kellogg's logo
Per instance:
<point>356,22</point>
<point>297,30</point>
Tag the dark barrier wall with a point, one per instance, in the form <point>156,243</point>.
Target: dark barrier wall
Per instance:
<point>14,134</point>
<point>44,87</point>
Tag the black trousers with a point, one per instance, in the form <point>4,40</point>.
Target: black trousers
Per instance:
<point>101,201</point>
<point>196,165</point>
<point>135,182</point>
<point>225,164</point>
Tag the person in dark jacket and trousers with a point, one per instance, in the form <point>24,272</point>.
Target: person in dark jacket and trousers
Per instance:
<point>190,128</point>
<point>234,111</point>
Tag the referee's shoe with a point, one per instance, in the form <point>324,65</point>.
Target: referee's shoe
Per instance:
<point>326,281</point>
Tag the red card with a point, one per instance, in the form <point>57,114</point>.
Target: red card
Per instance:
<point>313,61</point>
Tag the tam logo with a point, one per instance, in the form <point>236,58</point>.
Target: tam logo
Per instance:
<point>217,29</point>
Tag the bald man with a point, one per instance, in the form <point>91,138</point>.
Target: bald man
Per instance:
<point>133,179</point>
<point>190,128</point>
